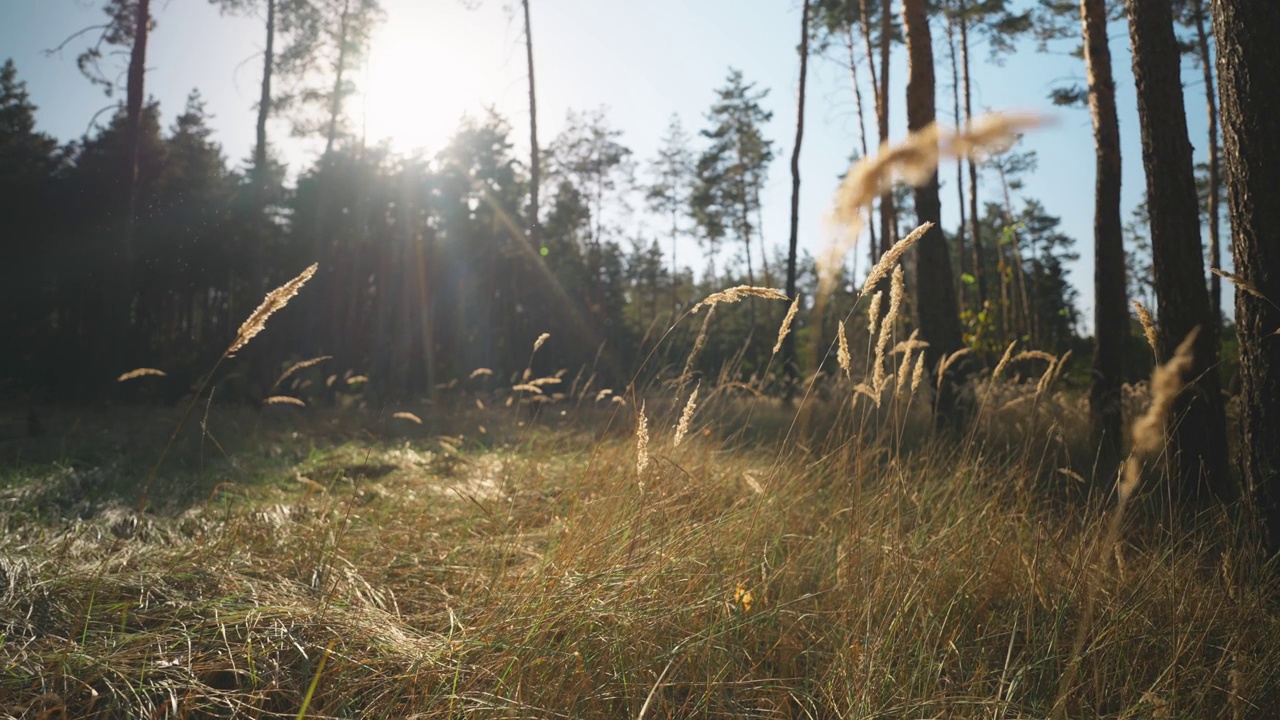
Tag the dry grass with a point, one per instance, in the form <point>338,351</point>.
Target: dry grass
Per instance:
<point>273,302</point>
<point>824,576</point>
<point>141,372</point>
<point>1148,326</point>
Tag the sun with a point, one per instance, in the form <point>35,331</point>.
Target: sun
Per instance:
<point>427,68</point>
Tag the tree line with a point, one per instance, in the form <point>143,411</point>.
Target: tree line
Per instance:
<point>141,245</point>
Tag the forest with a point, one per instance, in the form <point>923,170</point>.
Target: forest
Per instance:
<point>376,433</point>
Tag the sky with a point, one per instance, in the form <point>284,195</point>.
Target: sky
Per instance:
<point>432,61</point>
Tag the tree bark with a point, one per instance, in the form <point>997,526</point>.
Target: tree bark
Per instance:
<point>862,125</point>
<point>882,122</point>
<point>935,289</point>
<point>975,235</point>
<point>1198,443</point>
<point>1245,32</point>
<point>335,101</point>
<point>121,347</point>
<point>955,106</point>
<point>134,94</point>
<point>1110,307</point>
<point>1215,182</point>
<point>264,102</point>
<point>788,343</point>
<point>535,166</point>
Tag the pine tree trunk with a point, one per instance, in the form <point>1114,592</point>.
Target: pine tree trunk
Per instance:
<point>882,121</point>
<point>975,234</point>
<point>935,299</point>
<point>862,125</point>
<point>535,167</point>
<point>264,104</point>
<point>1198,446</point>
<point>134,94</point>
<point>878,98</point>
<point>1215,182</point>
<point>789,346</point>
<point>888,220</point>
<point>1245,32</point>
<point>1022,311</point>
<point>120,348</point>
<point>1110,308</point>
<point>955,105</point>
<point>260,170</point>
<point>335,100</point>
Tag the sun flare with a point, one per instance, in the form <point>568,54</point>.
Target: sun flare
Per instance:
<point>425,72</point>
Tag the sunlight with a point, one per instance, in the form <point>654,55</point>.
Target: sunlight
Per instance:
<point>426,71</point>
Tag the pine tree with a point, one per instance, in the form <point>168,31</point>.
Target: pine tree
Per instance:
<point>732,170</point>
<point>669,191</point>
<point>1199,443</point>
<point>1248,67</point>
<point>935,289</point>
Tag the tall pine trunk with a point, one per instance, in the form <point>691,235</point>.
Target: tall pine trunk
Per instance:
<point>878,97</point>
<point>789,346</point>
<point>261,173</point>
<point>887,219</point>
<point>935,300</point>
<point>535,162</point>
<point>264,104</point>
<point>1245,32</point>
<point>1215,182</point>
<point>1110,306</point>
<point>1198,446</point>
<point>975,233</point>
<point>134,94</point>
<point>955,113</point>
<point>121,347</point>
<point>862,124</point>
<point>335,100</point>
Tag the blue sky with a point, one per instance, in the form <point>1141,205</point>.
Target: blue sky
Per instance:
<point>434,60</point>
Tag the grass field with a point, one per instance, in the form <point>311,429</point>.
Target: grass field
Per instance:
<point>500,562</point>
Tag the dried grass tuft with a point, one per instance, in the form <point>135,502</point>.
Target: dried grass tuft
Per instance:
<point>914,160</point>
<point>275,300</point>
<point>479,372</point>
<point>141,372</point>
<point>890,258</point>
<point>896,292</point>
<point>697,347</point>
<point>686,417</point>
<point>642,442</point>
<point>1241,283</point>
<point>1004,361</point>
<point>842,352</point>
<point>541,339</point>
<point>738,294</point>
<point>786,324</point>
<point>918,374</point>
<point>303,365</point>
<point>1166,383</point>
<point>283,400</point>
<point>1148,327</point>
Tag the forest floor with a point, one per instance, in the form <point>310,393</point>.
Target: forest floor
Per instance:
<point>305,562</point>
